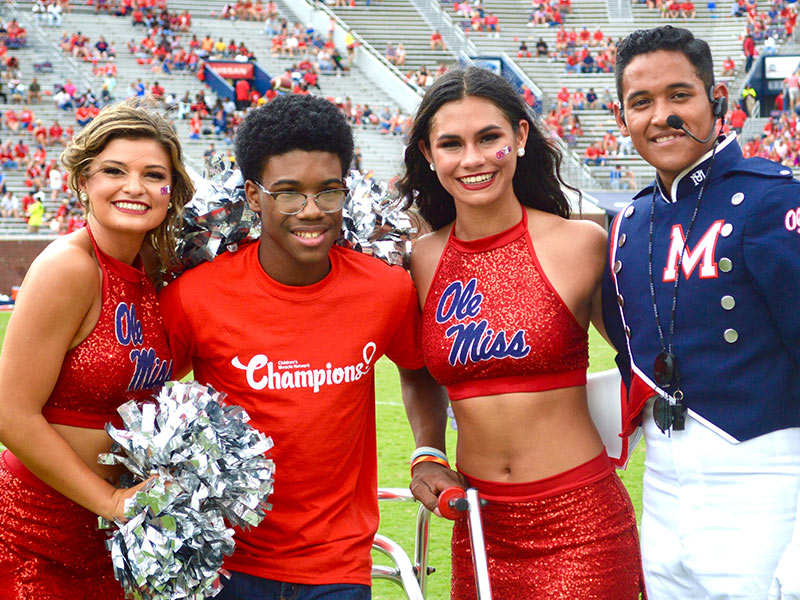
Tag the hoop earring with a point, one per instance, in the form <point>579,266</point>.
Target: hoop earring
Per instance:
<point>433,168</point>
<point>169,205</point>
<point>520,152</point>
<point>83,197</point>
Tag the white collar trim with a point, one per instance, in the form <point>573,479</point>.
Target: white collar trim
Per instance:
<point>673,197</point>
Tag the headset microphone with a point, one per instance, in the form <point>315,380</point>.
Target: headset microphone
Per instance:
<point>676,122</point>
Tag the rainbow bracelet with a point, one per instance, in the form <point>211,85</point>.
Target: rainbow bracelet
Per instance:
<point>428,458</point>
<point>429,454</point>
<point>428,451</point>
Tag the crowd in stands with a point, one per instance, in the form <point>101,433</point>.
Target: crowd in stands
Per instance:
<point>472,17</point>
<point>48,12</point>
<point>422,77</point>
<point>768,22</point>
<point>395,54</point>
<point>771,18</point>
<point>247,10</point>
<point>41,172</point>
<point>585,51</point>
<point>299,41</point>
<point>672,9</point>
<point>386,120</point>
<point>33,149</point>
<point>549,12</point>
<point>779,141</point>
<point>12,35</point>
<point>163,49</point>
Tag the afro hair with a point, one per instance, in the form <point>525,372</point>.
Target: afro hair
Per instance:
<point>292,122</point>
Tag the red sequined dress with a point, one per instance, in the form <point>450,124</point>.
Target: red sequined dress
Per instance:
<point>50,547</point>
<point>494,324</point>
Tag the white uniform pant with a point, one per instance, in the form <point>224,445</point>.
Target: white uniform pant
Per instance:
<point>716,515</point>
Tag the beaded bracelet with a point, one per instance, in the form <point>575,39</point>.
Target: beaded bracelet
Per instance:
<point>429,458</point>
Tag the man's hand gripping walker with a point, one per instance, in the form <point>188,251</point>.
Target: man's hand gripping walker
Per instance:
<point>454,503</point>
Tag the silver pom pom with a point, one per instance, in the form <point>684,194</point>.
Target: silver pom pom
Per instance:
<point>373,221</point>
<point>211,468</point>
<point>217,217</point>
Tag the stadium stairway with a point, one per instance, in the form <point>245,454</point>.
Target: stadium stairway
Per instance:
<point>383,22</point>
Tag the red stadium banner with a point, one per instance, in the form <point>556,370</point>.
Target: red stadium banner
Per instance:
<point>231,69</point>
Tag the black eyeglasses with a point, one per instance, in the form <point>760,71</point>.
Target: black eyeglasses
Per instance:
<point>665,414</point>
<point>291,202</point>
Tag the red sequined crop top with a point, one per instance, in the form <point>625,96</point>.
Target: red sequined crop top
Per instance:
<point>493,323</point>
<point>124,357</point>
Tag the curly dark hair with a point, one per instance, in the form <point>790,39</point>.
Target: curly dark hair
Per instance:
<point>291,122</point>
<point>537,180</point>
<point>672,39</point>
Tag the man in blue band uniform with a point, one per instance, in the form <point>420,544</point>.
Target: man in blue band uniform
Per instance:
<point>702,300</point>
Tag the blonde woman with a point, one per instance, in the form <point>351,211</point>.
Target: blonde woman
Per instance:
<point>85,336</point>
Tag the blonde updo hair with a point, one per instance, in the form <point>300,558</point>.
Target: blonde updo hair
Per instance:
<point>136,118</point>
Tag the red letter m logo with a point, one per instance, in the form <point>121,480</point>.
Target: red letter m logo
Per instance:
<point>702,254</point>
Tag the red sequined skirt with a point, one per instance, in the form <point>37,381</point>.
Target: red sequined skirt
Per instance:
<point>50,547</point>
<point>568,536</point>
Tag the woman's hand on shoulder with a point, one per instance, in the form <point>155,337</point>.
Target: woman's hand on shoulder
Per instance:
<point>429,479</point>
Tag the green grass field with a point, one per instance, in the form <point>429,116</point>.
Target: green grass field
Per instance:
<point>395,444</point>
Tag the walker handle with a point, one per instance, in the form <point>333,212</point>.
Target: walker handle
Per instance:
<point>453,503</point>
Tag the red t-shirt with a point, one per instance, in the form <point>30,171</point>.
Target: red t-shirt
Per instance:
<point>242,89</point>
<point>300,360</point>
<point>738,117</point>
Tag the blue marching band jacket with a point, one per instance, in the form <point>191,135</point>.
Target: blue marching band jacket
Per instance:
<point>737,321</point>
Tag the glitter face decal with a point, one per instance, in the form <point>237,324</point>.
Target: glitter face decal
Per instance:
<point>165,190</point>
<point>503,152</point>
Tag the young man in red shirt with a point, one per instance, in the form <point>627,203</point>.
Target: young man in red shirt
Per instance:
<point>738,118</point>
<point>728,67</point>
<point>437,41</point>
<point>493,24</point>
<point>290,327</point>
